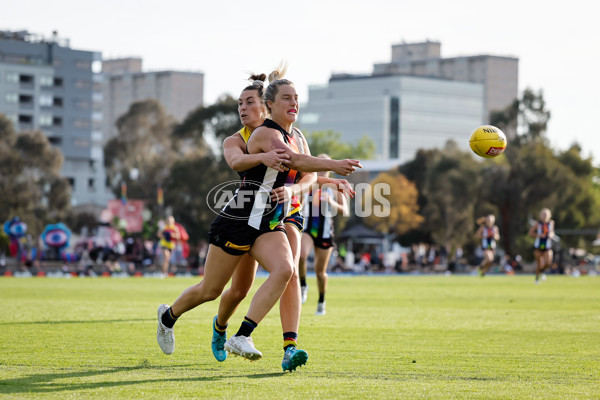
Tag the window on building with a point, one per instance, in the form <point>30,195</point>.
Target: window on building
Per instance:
<point>25,99</point>
<point>71,182</point>
<point>46,100</point>
<point>57,102</point>
<point>12,77</point>
<point>82,123</point>
<point>58,82</point>
<point>82,104</point>
<point>13,117</point>
<point>11,98</point>
<point>394,126</point>
<point>83,84</point>
<point>46,80</point>
<point>83,64</point>
<point>45,120</point>
<point>55,140</point>
<point>25,119</point>
<point>81,142</point>
<point>57,122</point>
<point>97,66</point>
<point>28,79</point>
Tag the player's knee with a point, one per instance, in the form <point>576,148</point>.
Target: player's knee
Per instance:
<point>212,293</point>
<point>237,294</point>
<point>283,272</point>
<point>322,275</point>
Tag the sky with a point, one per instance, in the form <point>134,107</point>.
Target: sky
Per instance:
<point>558,45</point>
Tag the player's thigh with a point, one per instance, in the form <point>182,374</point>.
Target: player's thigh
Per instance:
<point>272,251</point>
<point>219,267</point>
<point>244,274</point>
<point>306,244</point>
<point>294,239</point>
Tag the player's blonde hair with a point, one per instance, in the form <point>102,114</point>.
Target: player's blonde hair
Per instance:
<point>276,80</point>
<point>545,212</point>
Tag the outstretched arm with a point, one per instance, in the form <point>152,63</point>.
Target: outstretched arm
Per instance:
<point>337,201</point>
<point>265,139</point>
<point>234,151</point>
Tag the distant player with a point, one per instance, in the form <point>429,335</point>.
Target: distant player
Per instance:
<point>169,235</point>
<point>543,232</point>
<point>318,232</point>
<point>488,233</point>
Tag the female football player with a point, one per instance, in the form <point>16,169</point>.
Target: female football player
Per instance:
<point>253,226</point>
<point>488,233</point>
<point>543,232</point>
<point>318,234</point>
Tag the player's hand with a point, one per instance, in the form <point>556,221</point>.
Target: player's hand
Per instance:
<point>344,188</point>
<point>281,194</point>
<point>346,167</point>
<point>276,159</point>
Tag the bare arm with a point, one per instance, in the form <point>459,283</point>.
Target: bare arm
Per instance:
<point>340,185</point>
<point>265,139</point>
<point>338,201</point>
<point>234,151</point>
<point>479,232</point>
<point>551,229</point>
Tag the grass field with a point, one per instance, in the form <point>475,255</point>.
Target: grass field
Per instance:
<point>382,337</point>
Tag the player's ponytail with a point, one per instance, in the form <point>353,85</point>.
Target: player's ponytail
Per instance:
<point>275,80</point>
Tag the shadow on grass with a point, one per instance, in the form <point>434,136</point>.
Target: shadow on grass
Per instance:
<point>45,383</point>
<point>92,321</point>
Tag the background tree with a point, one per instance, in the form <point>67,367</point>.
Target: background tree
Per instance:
<point>451,186</point>
<point>210,123</point>
<point>142,153</point>
<point>531,176</point>
<point>403,208</point>
<point>201,167</point>
<point>329,142</point>
<point>416,172</point>
<point>29,178</point>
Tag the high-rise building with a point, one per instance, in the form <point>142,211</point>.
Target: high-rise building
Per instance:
<point>417,101</point>
<point>46,85</point>
<point>401,114</point>
<point>498,74</point>
<point>125,83</point>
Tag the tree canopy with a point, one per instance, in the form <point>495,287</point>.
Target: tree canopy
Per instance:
<point>30,178</point>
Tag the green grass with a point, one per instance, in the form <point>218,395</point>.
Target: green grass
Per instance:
<point>383,337</point>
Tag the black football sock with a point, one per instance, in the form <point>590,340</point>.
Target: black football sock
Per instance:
<point>168,318</point>
<point>247,327</point>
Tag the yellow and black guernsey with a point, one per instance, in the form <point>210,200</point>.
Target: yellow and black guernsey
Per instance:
<point>251,212</point>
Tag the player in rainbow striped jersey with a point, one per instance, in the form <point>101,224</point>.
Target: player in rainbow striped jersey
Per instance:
<point>320,207</point>
<point>543,232</point>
